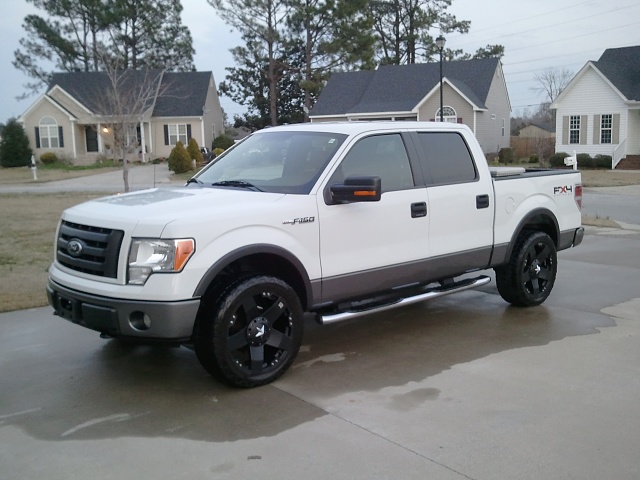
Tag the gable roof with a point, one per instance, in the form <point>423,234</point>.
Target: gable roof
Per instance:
<point>622,67</point>
<point>181,94</point>
<point>400,88</point>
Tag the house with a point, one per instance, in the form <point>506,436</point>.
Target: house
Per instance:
<point>75,118</point>
<point>598,112</point>
<point>474,93</point>
<point>537,130</point>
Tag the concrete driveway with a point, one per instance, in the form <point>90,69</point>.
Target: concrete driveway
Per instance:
<point>464,387</point>
<point>140,177</point>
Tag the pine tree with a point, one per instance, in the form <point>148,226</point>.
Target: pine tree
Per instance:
<point>14,146</point>
<point>77,35</point>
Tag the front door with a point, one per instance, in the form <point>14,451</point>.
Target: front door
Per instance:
<point>91,138</point>
<point>372,246</point>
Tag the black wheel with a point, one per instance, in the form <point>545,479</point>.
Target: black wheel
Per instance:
<point>529,276</point>
<point>251,333</point>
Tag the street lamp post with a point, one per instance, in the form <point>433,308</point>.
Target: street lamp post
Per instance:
<point>440,44</point>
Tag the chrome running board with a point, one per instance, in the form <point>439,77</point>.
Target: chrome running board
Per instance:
<point>440,291</point>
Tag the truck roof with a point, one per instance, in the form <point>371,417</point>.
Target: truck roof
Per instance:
<point>353,128</point>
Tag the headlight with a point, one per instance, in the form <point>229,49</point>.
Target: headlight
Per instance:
<point>149,255</point>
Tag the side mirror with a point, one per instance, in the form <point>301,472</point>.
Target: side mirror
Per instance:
<point>357,189</point>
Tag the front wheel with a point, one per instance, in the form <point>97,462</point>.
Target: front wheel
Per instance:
<point>251,333</point>
<point>529,276</point>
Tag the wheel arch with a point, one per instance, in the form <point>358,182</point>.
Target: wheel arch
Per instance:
<point>539,220</point>
<point>260,259</point>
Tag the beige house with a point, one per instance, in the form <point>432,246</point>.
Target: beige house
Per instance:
<point>75,118</point>
<point>537,131</point>
<point>474,93</point>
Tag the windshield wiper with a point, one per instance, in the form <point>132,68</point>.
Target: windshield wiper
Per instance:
<point>193,180</point>
<point>236,183</point>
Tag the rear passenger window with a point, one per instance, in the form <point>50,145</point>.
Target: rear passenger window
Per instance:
<point>447,158</point>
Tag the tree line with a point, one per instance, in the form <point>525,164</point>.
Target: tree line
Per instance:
<point>290,47</point>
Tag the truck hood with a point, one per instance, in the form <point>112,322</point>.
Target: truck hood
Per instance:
<point>147,212</point>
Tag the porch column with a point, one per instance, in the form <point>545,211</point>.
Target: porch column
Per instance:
<point>143,144</point>
<point>100,143</point>
<point>73,139</point>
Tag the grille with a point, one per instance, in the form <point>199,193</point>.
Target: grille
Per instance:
<point>88,249</point>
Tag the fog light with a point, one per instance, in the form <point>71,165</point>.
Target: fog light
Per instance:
<point>140,321</point>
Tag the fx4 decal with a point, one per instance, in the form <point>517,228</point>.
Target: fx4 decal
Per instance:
<point>564,190</point>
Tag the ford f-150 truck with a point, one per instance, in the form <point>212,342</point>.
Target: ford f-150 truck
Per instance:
<point>338,219</point>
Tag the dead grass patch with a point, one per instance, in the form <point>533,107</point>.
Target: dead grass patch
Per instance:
<point>609,178</point>
<point>24,175</point>
<point>27,234</point>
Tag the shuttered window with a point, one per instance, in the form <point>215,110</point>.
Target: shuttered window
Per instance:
<point>49,134</point>
<point>574,129</point>
<point>177,132</point>
<point>606,124</point>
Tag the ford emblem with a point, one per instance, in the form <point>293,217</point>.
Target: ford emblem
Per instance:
<point>75,247</point>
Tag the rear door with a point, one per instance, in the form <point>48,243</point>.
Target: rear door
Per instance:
<point>460,204</point>
<point>372,246</point>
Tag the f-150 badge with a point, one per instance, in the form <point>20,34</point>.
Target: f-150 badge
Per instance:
<point>299,221</point>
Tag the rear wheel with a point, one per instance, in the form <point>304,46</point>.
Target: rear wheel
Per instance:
<point>528,278</point>
<point>251,333</point>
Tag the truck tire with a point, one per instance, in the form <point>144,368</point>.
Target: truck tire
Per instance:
<point>528,278</point>
<point>251,333</point>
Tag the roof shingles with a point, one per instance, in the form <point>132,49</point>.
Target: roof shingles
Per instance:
<point>622,67</point>
<point>181,94</point>
<point>399,88</point>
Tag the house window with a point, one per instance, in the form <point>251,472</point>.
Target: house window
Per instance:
<point>503,127</point>
<point>606,123</point>
<point>178,133</point>
<point>48,131</point>
<point>132,135</point>
<point>448,115</point>
<point>574,129</point>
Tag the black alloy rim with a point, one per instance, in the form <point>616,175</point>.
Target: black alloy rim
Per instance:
<point>538,270</point>
<point>260,333</point>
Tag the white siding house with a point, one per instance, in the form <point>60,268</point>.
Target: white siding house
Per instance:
<point>599,111</point>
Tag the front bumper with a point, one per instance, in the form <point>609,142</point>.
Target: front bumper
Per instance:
<point>153,320</point>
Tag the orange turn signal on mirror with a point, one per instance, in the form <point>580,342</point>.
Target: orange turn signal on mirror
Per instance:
<point>364,193</point>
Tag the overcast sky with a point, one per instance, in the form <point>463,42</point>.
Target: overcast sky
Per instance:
<point>536,35</point>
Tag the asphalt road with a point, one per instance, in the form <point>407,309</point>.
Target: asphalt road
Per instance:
<point>463,387</point>
<point>621,204</point>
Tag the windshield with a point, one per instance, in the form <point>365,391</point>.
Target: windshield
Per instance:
<point>274,161</point>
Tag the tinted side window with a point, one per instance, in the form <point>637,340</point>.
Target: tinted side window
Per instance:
<point>383,156</point>
<point>448,158</point>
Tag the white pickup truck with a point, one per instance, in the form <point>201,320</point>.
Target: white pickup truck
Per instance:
<point>338,219</point>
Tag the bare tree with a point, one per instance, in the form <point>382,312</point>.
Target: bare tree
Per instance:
<point>126,100</point>
<point>550,83</point>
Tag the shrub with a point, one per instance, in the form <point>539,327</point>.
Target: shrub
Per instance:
<point>179,159</point>
<point>584,160</point>
<point>48,158</point>
<point>506,155</point>
<point>217,151</point>
<point>602,161</point>
<point>194,151</point>
<point>533,158</point>
<point>223,142</point>
<point>557,159</point>
<point>14,147</point>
